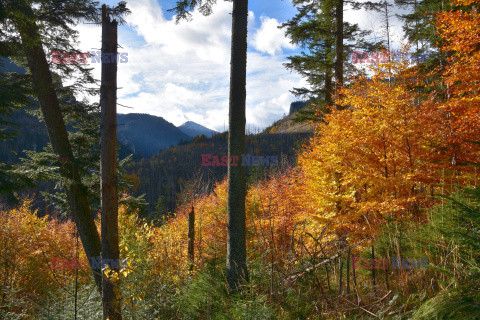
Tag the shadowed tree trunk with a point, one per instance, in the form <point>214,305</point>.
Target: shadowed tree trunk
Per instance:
<point>236,243</point>
<point>328,76</point>
<point>348,271</point>
<point>340,275</point>
<point>191,238</point>
<point>49,105</point>
<point>111,297</point>
<point>374,284</point>
<point>339,45</point>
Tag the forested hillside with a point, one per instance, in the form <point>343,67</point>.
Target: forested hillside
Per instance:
<point>139,134</point>
<point>162,177</point>
<point>33,137</point>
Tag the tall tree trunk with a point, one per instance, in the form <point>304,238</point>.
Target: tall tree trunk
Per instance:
<point>387,31</point>
<point>50,107</point>
<point>111,297</point>
<point>191,238</point>
<point>387,26</point>
<point>374,282</point>
<point>340,275</point>
<point>236,243</point>
<point>339,45</point>
<point>348,271</point>
<point>328,75</point>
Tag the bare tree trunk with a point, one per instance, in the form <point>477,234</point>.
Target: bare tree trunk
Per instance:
<point>111,298</point>
<point>348,271</point>
<point>191,238</point>
<point>339,45</point>
<point>340,275</point>
<point>328,278</point>
<point>416,26</point>
<point>236,243</point>
<point>387,282</point>
<point>328,77</point>
<point>50,107</point>
<point>354,275</point>
<point>387,33</point>
<point>374,284</point>
<point>387,25</point>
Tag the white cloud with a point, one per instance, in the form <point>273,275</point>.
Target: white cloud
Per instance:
<point>269,38</point>
<point>181,71</point>
<point>203,37</point>
<point>375,22</point>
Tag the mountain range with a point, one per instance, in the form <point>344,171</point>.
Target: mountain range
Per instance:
<point>145,135</point>
<point>141,134</point>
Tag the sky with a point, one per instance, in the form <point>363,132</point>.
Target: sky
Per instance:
<point>181,71</point>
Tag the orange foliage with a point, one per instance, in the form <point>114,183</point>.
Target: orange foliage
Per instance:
<point>274,208</point>
<point>382,157</point>
<point>170,240</point>
<point>460,31</point>
<point>28,247</point>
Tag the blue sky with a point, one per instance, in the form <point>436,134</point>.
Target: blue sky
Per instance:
<point>181,71</point>
<point>279,9</point>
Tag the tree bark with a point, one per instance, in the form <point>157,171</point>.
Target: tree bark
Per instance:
<point>348,271</point>
<point>339,46</point>
<point>191,238</point>
<point>328,76</point>
<point>236,243</point>
<point>340,275</point>
<point>49,105</point>
<point>374,284</point>
<point>111,297</point>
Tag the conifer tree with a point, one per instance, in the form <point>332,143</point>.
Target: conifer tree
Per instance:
<point>111,293</point>
<point>318,28</point>
<point>313,29</point>
<point>48,24</point>
<point>418,26</point>
<point>13,94</point>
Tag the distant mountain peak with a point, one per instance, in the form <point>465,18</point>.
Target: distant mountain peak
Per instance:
<point>194,129</point>
<point>146,134</point>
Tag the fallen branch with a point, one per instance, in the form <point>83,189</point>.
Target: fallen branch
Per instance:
<point>298,274</point>
<point>363,307</point>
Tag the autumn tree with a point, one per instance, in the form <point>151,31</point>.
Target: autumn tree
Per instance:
<point>370,163</point>
<point>458,98</point>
